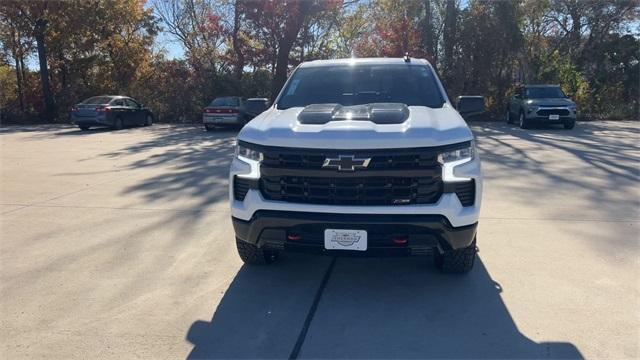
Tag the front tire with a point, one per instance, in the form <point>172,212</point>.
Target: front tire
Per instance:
<point>508,116</point>
<point>84,128</point>
<point>117,124</point>
<point>568,125</point>
<point>522,121</point>
<point>148,121</point>
<point>209,127</point>
<point>252,255</point>
<point>458,261</point>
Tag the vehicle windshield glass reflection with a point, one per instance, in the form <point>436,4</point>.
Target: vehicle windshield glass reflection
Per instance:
<point>545,92</point>
<point>362,84</point>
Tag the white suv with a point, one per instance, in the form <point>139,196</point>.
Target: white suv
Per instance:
<point>358,156</point>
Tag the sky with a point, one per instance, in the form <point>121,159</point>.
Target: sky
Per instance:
<point>172,48</point>
<point>164,41</point>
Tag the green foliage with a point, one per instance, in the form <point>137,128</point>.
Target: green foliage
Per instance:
<point>8,86</point>
<point>558,69</point>
<point>610,111</point>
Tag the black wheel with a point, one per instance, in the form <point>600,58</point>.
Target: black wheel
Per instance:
<point>522,121</point>
<point>84,128</point>
<point>209,127</point>
<point>253,255</point>
<point>507,116</point>
<point>457,261</point>
<point>148,121</point>
<point>569,124</point>
<point>117,124</point>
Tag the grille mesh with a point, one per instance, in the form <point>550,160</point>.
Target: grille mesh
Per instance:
<point>297,175</point>
<point>353,190</point>
<point>547,112</point>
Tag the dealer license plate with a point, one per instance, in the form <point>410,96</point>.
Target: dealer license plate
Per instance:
<point>340,239</point>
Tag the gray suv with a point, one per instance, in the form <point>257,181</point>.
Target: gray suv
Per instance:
<point>541,104</point>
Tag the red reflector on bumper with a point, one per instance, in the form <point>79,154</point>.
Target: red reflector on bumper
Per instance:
<point>294,237</point>
<point>400,240</point>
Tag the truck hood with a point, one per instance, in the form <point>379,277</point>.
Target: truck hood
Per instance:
<point>424,127</point>
<point>549,102</point>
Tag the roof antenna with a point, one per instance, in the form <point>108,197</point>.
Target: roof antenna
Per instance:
<point>406,58</point>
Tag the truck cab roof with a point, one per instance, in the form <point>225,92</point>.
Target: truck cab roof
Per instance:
<point>367,61</point>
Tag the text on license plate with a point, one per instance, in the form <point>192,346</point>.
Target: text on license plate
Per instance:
<point>341,239</point>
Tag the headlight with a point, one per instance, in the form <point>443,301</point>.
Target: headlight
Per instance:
<point>572,107</point>
<point>458,155</point>
<point>247,153</point>
<point>450,160</point>
<point>529,102</point>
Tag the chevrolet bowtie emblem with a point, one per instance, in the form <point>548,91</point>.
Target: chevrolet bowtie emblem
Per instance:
<point>346,163</point>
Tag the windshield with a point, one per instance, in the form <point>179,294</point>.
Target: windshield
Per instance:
<point>97,100</point>
<point>544,92</point>
<point>225,101</point>
<point>362,84</point>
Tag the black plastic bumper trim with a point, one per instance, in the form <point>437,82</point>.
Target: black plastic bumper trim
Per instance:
<point>268,228</point>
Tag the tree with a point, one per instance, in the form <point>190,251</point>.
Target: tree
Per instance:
<point>353,24</point>
<point>199,25</point>
<point>428,35</point>
<point>32,18</point>
<point>237,40</point>
<point>449,35</point>
<point>393,32</point>
<point>278,24</point>
<point>16,45</point>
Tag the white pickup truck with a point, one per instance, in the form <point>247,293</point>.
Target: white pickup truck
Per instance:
<point>358,157</point>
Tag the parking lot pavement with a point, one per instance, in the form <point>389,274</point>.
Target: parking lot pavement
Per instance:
<point>118,244</point>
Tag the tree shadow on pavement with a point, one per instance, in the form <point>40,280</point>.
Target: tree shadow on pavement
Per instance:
<point>593,143</point>
<point>595,163</point>
<point>194,165</point>
<point>35,128</point>
<point>92,131</point>
<point>370,308</point>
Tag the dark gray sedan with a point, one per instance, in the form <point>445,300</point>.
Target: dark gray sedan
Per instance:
<point>113,111</point>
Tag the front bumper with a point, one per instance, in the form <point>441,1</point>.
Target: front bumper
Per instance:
<point>546,120</point>
<point>297,231</point>
<point>538,114</point>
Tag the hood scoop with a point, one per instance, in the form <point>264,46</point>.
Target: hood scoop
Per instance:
<point>378,113</point>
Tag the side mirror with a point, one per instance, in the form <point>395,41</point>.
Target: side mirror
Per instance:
<point>470,105</point>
